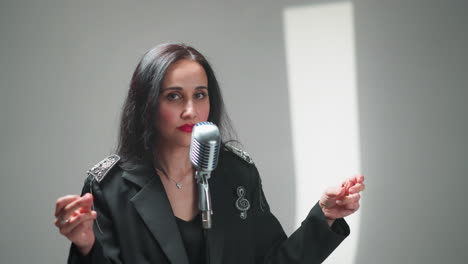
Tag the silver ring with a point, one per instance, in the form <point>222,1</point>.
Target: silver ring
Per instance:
<point>61,221</point>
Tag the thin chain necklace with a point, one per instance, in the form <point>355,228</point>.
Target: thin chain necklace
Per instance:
<point>177,183</point>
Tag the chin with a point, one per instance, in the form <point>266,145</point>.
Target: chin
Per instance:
<point>185,141</point>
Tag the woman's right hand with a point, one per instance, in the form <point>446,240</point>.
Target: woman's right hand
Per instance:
<point>74,218</point>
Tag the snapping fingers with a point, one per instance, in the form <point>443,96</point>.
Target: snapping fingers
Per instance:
<point>83,204</point>
<point>349,199</point>
<point>75,221</point>
<point>64,201</point>
<point>359,187</point>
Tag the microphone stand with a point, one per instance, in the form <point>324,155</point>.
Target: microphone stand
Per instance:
<point>204,198</point>
<point>204,205</point>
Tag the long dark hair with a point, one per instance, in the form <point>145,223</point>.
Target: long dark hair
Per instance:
<point>137,137</point>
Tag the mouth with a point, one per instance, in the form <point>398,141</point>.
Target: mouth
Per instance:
<point>186,128</point>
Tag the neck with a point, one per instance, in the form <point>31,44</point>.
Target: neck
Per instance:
<point>173,161</point>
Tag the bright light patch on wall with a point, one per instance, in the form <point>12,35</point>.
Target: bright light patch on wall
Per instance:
<point>323,100</point>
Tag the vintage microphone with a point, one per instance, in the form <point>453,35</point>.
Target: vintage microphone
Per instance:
<point>204,152</point>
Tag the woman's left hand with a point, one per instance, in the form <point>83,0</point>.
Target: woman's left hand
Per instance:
<point>341,201</point>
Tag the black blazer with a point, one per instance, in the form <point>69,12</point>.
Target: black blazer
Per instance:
<point>135,222</point>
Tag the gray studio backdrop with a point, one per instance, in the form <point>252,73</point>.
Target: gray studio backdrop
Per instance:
<point>65,68</point>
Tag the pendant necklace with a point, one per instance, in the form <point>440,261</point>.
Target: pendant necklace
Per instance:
<point>177,183</point>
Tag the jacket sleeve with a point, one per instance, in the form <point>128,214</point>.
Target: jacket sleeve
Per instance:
<point>312,242</point>
<point>105,249</point>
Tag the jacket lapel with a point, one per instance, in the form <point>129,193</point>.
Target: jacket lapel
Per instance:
<point>153,206</point>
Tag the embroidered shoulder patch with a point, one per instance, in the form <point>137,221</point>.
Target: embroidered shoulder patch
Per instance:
<point>239,152</point>
<point>100,170</point>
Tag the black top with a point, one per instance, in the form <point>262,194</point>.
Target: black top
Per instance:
<point>192,237</point>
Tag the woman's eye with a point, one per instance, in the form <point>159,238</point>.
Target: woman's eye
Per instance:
<point>200,95</point>
<point>172,97</point>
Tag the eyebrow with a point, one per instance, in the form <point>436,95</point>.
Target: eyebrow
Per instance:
<point>178,88</point>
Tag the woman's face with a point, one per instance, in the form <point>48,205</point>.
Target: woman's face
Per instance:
<point>183,102</point>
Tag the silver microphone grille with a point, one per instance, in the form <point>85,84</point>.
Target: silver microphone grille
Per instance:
<point>204,148</point>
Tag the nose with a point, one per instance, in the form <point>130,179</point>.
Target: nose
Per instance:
<point>190,111</point>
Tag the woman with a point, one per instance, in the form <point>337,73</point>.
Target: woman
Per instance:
<point>140,206</point>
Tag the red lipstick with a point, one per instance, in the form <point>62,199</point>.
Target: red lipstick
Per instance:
<point>186,128</point>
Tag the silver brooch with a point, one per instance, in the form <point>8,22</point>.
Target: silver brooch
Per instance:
<point>100,170</point>
<point>241,203</point>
